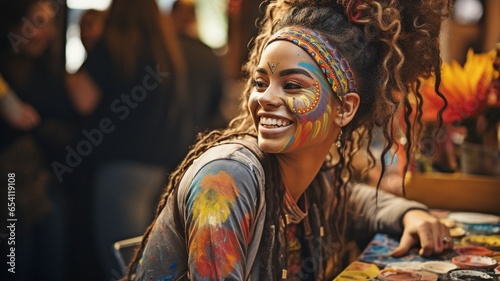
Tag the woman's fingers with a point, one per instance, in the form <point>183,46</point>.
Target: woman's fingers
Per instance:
<point>434,238</point>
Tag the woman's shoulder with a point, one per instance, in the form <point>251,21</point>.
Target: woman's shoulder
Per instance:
<point>228,168</point>
<point>238,158</point>
<point>242,151</point>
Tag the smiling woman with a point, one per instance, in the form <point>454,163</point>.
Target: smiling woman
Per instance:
<point>306,104</point>
<point>270,197</point>
<point>308,98</point>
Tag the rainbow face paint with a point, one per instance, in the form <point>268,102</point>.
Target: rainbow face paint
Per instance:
<point>293,100</point>
<point>333,65</point>
<point>312,108</point>
<point>299,84</point>
<point>305,102</point>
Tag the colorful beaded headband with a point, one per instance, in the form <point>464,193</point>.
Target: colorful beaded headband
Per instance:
<point>330,61</point>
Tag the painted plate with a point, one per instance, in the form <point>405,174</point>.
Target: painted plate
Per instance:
<point>406,265</point>
<point>486,229</point>
<point>474,218</point>
<point>467,275</point>
<point>473,250</point>
<point>428,276</point>
<point>416,266</point>
<point>491,242</point>
<point>391,274</point>
<point>438,267</point>
<point>457,232</point>
<point>448,222</point>
<point>474,262</point>
<point>353,275</point>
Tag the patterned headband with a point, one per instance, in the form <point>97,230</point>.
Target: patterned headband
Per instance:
<point>330,61</point>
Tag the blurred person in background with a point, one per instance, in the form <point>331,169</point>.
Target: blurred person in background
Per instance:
<point>132,87</point>
<point>91,27</point>
<point>203,66</point>
<point>32,77</point>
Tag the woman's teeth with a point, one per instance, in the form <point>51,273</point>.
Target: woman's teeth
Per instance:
<point>274,122</point>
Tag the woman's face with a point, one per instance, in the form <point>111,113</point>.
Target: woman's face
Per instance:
<point>292,102</point>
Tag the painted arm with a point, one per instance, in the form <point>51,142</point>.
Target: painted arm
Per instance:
<point>221,212</point>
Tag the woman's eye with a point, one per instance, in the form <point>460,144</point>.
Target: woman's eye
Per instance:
<point>292,86</point>
<point>259,85</point>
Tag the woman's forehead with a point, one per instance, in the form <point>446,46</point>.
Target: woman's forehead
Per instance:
<point>284,53</point>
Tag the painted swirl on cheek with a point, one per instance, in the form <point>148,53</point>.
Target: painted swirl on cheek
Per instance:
<point>306,102</point>
<point>313,121</point>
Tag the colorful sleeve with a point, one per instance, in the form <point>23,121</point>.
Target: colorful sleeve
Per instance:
<point>220,211</point>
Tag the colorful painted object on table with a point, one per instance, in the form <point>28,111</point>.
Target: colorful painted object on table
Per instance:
<point>474,262</point>
<point>473,250</point>
<point>468,275</point>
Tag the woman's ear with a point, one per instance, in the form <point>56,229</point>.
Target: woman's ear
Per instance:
<point>347,109</point>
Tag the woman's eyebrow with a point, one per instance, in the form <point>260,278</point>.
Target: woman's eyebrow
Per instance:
<point>295,71</point>
<point>261,70</point>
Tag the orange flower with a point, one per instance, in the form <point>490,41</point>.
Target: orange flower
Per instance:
<point>466,88</point>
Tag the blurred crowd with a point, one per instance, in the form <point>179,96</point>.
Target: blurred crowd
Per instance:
<point>92,150</point>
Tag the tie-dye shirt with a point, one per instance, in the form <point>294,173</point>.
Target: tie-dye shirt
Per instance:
<point>221,208</point>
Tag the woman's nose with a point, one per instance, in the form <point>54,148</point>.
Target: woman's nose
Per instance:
<point>271,97</point>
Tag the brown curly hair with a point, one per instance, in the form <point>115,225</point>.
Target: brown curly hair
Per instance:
<point>389,45</point>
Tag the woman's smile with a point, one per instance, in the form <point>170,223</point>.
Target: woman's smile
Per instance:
<point>273,122</point>
<point>292,100</point>
<point>273,127</point>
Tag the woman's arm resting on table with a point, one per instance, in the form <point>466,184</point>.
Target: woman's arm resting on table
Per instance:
<point>420,226</point>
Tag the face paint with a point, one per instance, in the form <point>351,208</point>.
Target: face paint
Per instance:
<point>329,59</point>
<point>312,107</point>
<point>305,102</point>
<point>272,66</point>
<point>291,107</point>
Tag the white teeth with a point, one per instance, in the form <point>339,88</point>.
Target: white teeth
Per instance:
<point>273,122</point>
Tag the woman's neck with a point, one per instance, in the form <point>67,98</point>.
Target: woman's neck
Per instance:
<point>299,169</point>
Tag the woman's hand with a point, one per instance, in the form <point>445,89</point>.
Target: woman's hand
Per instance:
<point>420,226</point>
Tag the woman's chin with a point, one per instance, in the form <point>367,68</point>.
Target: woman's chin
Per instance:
<point>271,146</point>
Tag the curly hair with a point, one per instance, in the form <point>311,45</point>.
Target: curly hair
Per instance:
<point>389,45</point>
